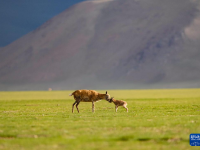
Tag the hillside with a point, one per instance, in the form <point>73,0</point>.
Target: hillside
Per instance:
<point>108,45</point>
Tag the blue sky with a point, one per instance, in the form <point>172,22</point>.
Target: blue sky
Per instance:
<point>18,17</point>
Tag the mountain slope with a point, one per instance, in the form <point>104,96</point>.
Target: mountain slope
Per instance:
<point>108,44</point>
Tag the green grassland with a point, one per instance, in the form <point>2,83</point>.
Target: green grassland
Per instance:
<point>157,119</point>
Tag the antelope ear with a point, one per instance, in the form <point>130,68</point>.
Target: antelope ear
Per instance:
<point>106,92</point>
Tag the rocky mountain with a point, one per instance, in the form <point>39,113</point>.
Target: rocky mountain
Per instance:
<point>109,44</point>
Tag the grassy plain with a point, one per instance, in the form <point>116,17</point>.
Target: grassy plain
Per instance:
<point>157,119</point>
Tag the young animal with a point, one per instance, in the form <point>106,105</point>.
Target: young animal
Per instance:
<point>87,96</point>
<point>118,103</point>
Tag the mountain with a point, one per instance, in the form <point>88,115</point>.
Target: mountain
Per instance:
<point>109,44</point>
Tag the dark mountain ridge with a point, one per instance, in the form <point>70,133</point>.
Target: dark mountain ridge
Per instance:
<point>108,44</point>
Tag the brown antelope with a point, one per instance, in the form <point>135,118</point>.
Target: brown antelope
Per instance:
<point>87,96</point>
<point>118,103</point>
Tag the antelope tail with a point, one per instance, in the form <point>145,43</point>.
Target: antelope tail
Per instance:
<point>72,93</point>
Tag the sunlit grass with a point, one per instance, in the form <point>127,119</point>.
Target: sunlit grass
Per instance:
<point>157,119</point>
